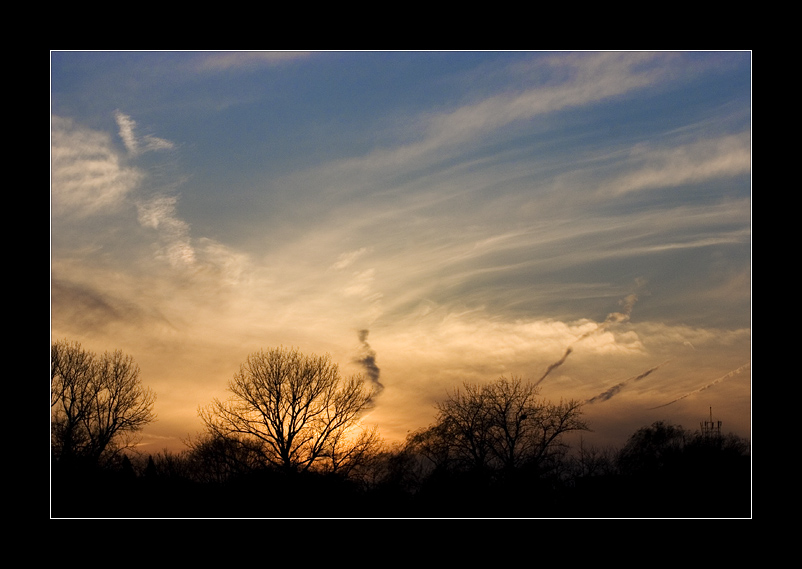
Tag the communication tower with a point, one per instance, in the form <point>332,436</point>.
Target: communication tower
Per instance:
<point>711,429</point>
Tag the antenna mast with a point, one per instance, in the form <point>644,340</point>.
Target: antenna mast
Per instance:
<point>711,429</point>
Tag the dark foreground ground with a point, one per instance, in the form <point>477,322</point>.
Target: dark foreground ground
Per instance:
<point>270,495</point>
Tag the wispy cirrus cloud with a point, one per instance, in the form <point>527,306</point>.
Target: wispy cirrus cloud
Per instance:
<point>134,143</point>
<point>227,60</point>
<point>158,212</point>
<point>88,177</point>
<point>652,167</point>
<point>575,80</point>
<point>135,227</point>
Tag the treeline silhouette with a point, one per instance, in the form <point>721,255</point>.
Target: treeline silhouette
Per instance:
<point>662,471</point>
<point>289,444</point>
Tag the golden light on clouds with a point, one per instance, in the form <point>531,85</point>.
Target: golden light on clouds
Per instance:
<point>537,218</point>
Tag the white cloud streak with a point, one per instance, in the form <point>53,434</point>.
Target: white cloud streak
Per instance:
<point>158,213</point>
<point>137,145</point>
<point>699,161</point>
<point>228,60</point>
<point>87,176</point>
<point>580,79</point>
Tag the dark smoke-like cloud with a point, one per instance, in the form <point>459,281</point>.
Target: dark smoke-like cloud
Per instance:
<point>367,359</point>
<point>709,385</point>
<point>618,387</point>
<point>613,318</point>
<point>556,364</point>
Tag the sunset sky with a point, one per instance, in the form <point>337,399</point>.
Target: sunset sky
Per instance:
<point>577,219</point>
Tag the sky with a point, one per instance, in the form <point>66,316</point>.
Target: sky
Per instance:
<point>581,220</point>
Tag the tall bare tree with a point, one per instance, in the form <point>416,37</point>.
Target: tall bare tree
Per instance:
<point>97,403</point>
<point>297,408</point>
<point>502,425</point>
<point>465,420</point>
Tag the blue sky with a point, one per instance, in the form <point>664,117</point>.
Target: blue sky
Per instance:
<point>478,213</point>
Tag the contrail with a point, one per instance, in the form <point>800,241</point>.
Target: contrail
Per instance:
<point>613,318</point>
<point>711,384</point>
<point>616,388</point>
<point>556,364</point>
<point>367,360</point>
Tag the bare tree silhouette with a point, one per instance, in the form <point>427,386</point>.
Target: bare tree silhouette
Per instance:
<point>500,426</point>
<point>295,409</point>
<point>97,403</point>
